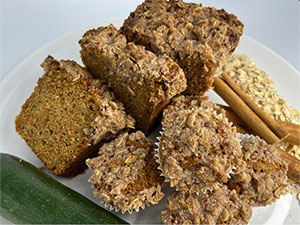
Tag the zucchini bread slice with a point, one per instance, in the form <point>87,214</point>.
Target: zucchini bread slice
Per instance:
<point>68,115</point>
<point>143,82</point>
<point>200,39</point>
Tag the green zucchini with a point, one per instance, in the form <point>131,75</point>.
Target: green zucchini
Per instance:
<point>30,196</point>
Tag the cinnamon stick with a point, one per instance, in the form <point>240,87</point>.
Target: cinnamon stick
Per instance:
<point>243,111</point>
<point>237,122</point>
<point>256,124</point>
<point>293,129</point>
<point>273,124</point>
<point>293,172</point>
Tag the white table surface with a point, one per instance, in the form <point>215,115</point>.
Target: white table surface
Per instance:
<point>26,25</point>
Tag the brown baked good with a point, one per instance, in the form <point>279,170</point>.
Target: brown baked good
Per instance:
<point>198,146</point>
<point>200,39</point>
<point>125,174</point>
<point>219,206</point>
<point>68,115</point>
<point>262,176</point>
<point>144,82</point>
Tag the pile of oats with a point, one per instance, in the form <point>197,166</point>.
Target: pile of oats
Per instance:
<point>261,89</point>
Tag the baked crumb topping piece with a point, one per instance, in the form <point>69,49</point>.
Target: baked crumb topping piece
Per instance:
<point>125,174</point>
<point>216,206</point>
<point>200,39</point>
<point>68,115</point>
<point>144,82</point>
<point>198,146</point>
<point>262,176</point>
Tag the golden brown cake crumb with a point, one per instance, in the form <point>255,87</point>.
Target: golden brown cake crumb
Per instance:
<point>68,115</point>
<point>262,176</point>
<point>144,82</point>
<point>125,173</point>
<point>200,39</point>
<point>198,146</point>
<point>218,206</point>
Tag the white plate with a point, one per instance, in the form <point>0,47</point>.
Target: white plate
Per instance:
<point>19,83</point>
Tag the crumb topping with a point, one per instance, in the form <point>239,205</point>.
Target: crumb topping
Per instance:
<point>198,146</point>
<point>218,206</point>
<point>125,173</point>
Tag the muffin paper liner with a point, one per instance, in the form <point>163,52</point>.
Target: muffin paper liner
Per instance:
<point>248,136</point>
<point>157,157</point>
<point>108,206</point>
<point>113,208</point>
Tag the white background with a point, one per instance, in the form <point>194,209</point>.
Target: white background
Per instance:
<point>26,25</point>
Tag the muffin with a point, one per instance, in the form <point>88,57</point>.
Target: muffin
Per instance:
<point>142,81</point>
<point>218,206</point>
<point>262,176</point>
<point>198,147</point>
<point>125,174</point>
<point>68,116</point>
<point>200,39</point>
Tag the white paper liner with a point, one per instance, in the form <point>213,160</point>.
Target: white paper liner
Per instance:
<point>113,208</point>
<point>248,136</point>
<point>107,206</point>
<point>157,157</point>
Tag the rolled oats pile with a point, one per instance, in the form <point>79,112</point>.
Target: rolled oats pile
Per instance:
<point>261,89</point>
